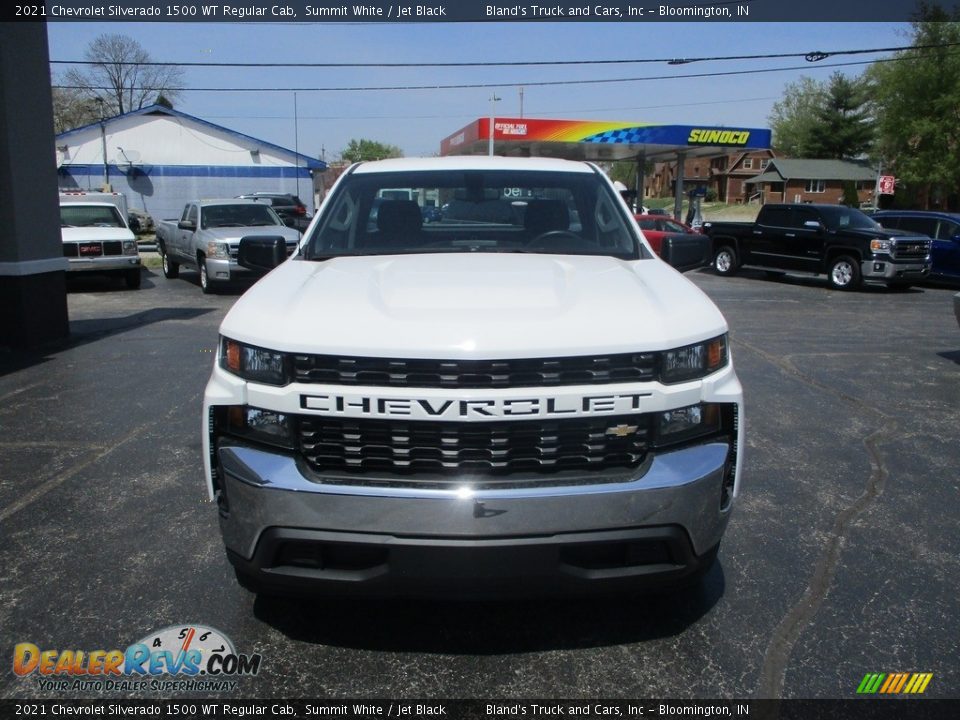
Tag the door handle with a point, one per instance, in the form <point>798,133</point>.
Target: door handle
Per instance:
<point>789,234</point>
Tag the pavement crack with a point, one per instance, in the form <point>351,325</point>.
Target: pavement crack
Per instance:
<point>785,636</point>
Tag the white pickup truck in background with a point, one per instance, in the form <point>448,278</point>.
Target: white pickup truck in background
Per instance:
<point>518,397</point>
<point>208,233</point>
<point>96,237</point>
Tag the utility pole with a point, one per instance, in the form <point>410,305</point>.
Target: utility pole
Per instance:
<point>103,143</point>
<point>493,99</point>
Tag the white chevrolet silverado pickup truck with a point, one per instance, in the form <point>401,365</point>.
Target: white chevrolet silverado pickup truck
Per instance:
<point>516,397</point>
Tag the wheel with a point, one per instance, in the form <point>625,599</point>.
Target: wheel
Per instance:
<point>843,273</point>
<point>206,284</point>
<point>171,269</point>
<point>725,260</point>
<point>132,278</point>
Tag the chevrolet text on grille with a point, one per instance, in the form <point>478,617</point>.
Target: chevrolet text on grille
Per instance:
<point>587,405</point>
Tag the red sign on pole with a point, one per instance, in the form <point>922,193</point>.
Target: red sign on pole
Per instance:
<point>887,184</point>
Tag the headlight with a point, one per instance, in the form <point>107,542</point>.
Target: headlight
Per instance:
<point>253,363</point>
<point>881,245</point>
<point>693,361</point>
<point>218,250</point>
<point>265,426</point>
<point>129,247</point>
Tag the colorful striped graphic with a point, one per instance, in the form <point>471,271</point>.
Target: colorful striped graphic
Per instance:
<point>894,683</point>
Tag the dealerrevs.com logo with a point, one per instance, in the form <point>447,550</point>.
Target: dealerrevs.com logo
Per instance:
<point>177,658</point>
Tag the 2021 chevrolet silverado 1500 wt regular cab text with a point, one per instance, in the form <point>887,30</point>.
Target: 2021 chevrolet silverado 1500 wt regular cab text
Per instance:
<point>520,396</point>
<point>841,242</point>
<point>208,234</point>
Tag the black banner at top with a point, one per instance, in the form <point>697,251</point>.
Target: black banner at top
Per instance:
<point>419,11</point>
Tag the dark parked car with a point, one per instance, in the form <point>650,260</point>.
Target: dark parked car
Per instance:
<point>943,228</point>
<point>289,207</point>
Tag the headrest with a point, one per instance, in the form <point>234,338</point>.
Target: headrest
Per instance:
<point>546,215</point>
<point>397,216</point>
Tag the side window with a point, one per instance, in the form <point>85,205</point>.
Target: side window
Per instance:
<point>775,217</point>
<point>799,216</point>
<point>890,223</point>
<point>924,226</point>
<point>948,230</point>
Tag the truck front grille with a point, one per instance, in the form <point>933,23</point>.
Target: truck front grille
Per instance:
<point>911,249</point>
<point>536,372</point>
<point>449,452</point>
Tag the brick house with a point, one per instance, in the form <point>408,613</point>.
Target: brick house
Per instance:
<point>725,173</point>
<point>811,181</point>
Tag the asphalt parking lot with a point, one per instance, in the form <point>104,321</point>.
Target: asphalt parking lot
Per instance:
<point>842,557</point>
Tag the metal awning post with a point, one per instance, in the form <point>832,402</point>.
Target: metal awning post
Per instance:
<point>678,190</point>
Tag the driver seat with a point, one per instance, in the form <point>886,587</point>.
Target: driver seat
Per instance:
<point>544,216</point>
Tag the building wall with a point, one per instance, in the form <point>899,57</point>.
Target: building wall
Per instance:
<point>162,191</point>
<point>161,162</point>
<point>796,191</point>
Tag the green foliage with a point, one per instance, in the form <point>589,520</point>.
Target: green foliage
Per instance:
<point>850,196</point>
<point>359,150</point>
<point>843,128</point>
<point>792,119</point>
<point>918,107</point>
<point>823,120</point>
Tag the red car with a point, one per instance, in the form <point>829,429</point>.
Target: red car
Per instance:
<point>656,227</point>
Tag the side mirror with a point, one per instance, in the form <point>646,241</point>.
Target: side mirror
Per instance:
<point>686,252</point>
<point>187,225</point>
<point>262,253</point>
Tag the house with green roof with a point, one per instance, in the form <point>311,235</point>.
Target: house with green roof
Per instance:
<point>811,181</point>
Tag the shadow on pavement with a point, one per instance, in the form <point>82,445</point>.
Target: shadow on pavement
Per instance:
<point>83,332</point>
<point>494,627</point>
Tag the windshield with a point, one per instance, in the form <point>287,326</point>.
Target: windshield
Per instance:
<point>843,218</point>
<point>245,215</point>
<point>90,216</point>
<point>473,211</point>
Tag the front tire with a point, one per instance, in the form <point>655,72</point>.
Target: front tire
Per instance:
<point>844,273</point>
<point>725,260</point>
<point>206,284</point>
<point>171,270</point>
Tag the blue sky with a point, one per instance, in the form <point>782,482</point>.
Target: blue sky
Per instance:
<point>416,120</point>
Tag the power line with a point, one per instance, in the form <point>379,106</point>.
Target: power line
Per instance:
<point>475,86</point>
<point>810,56</point>
<point>541,113</point>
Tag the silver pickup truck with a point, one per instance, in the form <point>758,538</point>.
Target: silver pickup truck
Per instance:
<point>207,237</point>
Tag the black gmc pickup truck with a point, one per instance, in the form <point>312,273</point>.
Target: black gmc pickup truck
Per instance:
<point>841,242</point>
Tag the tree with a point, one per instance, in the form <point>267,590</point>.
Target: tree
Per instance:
<point>119,76</point>
<point>792,119</point>
<point>918,107</point>
<point>362,149</point>
<point>843,128</point>
<point>71,109</point>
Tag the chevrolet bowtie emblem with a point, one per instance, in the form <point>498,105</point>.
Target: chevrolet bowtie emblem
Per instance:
<point>621,430</point>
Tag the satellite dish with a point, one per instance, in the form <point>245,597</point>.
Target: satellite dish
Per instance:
<point>127,157</point>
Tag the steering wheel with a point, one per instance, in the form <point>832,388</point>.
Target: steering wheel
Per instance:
<point>550,236</point>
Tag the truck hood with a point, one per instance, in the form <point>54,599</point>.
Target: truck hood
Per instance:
<point>462,306</point>
<point>94,234</point>
<point>232,235</point>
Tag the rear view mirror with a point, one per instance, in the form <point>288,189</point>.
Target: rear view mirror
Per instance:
<point>262,253</point>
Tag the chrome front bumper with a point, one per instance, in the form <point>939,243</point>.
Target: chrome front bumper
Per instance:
<point>112,263</point>
<point>499,537</point>
<point>881,269</point>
